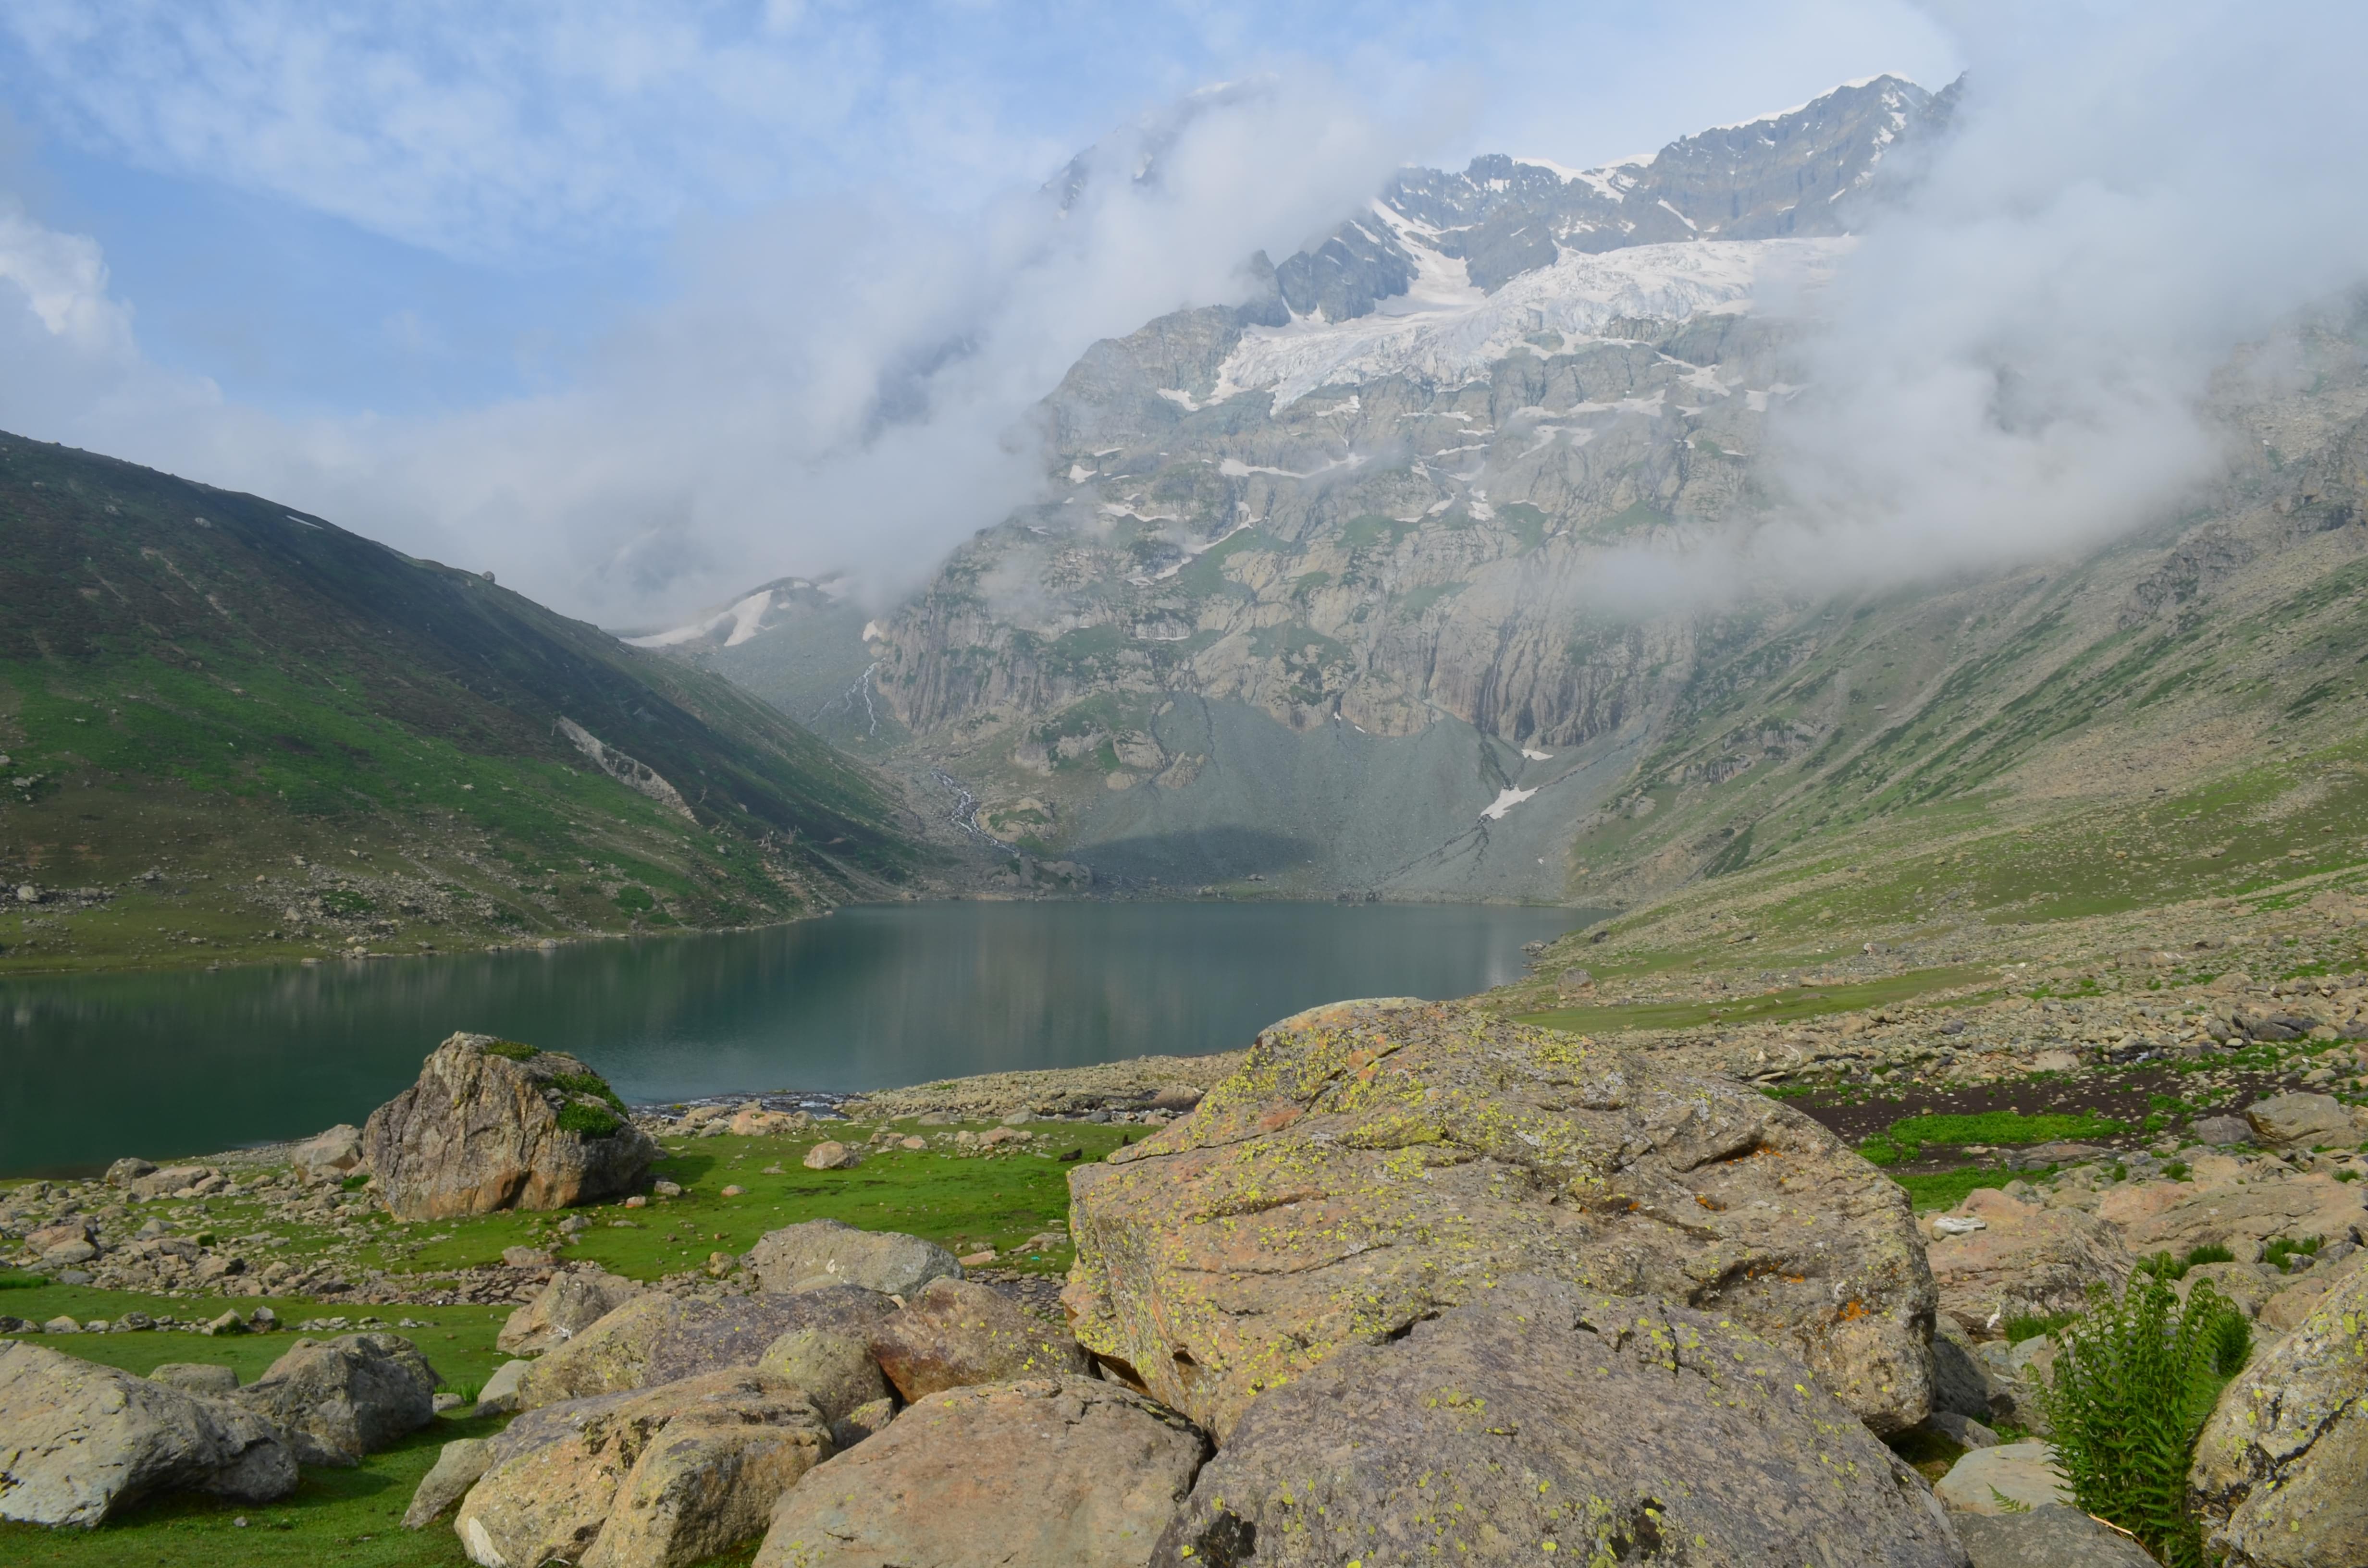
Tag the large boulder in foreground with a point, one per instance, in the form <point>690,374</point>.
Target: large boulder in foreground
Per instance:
<point>2025,1260</point>
<point>2281,1474</point>
<point>657,1477</point>
<point>1055,1472</point>
<point>1372,1163</point>
<point>655,1339</point>
<point>571,1303</point>
<point>79,1441</point>
<point>350,1396</point>
<point>493,1124</point>
<point>825,1252</point>
<point>1542,1423</point>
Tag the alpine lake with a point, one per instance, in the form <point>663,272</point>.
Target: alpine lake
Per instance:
<point>872,997</point>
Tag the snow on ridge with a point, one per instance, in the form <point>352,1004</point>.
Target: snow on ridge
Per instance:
<point>1785,113</point>
<point>747,615</point>
<point>1444,329</point>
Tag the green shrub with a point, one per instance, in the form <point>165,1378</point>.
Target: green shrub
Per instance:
<point>2026,1326</point>
<point>588,1120</point>
<point>516,1051</point>
<point>2210,1252</point>
<point>2164,1267</point>
<point>2284,1248</point>
<point>2177,1170</point>
<point>353,1184</point>
<point>2133,1387</point>
<point>587,1084</point>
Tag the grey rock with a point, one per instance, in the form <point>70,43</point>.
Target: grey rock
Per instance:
<point>480,1131</point>
<point>129,1169</point>
<point>2300,1120</point>
<point>864,1421</point>
<point>196,1377</point>
<point>826,1251</point>
<point>2050,1536</point>
<point>500,1396</point>
<point>956,1331</point>
<point>1470,1439</point>
<point>2002,1480</point>
<point>456,1469</point>
<point>78,1441</point>
<point>2279,1471</point>
<point>1963,1384</point>
<point>1068,1472</point>
<point>329,1156</point>
<point>350,1396</point>
<point>571,1303</point>
<point>2222,1130</point>
<point>655,1339</point>
<point>836,1371</point>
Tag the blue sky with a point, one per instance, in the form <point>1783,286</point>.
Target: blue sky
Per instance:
<point>583,291</point>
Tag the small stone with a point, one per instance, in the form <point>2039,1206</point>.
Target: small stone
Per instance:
<point>637,1201</point>
<point>500,1394</point>
<point>667,1188</point>
<point>735,1191</point>
<point>2003,1480</point>
<point>457,1469</point>
<point>229,1322</point>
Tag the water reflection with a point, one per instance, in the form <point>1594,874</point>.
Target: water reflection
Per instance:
<point>91,1069</point>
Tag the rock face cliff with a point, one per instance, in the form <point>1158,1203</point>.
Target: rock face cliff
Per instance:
<point>1316,593</point>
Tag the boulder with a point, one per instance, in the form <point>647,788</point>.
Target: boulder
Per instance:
<point>830,1154</point>
<point>500,1394</point>
<point>2025,1258</point>
<point>1372,1163</point>
<point>655,1339</point>
<point>2050,1536</point>
<point>1963,1385</point>
<point>864,1421</point>
<point>2248,1286</point>
<point>495,1125</point>
<point>837,1373</point>
<point>2222,1132</point>
<point>78,1440</point>
<point>825,1252</point>
<point>456,1470</point>
<point>350,1396</point>
<point>2292,1121</point>
<point>328,1156</point>
<point>958,1332</point>
<point>1053,1472</point>
<point>196,1377</point>
<point>571,1303</point>
<point>2281,1474</point>
<point>1617,1428</point>
<point>129,1169</point>
<point>677,1472</point>
<point>2273,1202</point>
<point>2003,1480</point>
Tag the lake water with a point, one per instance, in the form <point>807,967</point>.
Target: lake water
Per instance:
<point>870,997</point>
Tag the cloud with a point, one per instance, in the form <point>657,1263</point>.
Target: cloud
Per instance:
<point>837,384</point>
<point>2017,361</point>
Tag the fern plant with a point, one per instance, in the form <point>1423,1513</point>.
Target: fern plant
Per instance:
<point>2133,1384</point>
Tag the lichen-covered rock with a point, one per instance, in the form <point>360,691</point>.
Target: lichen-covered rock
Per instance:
<point>2004,1479</point>
<point>2026,1259</point>
<point>958,1332</point>
<point>1373,1162</point>
<point>2049,1536</point>
<point>196,1377</point>
<point>2281,1474</point>
<point>2268,1201</point>
<point>78,1440</point>
<point>719,1449</point>
<point>350,1396</point>
<point>655,1339</point>
<point>491,1124</point>
<point>1541,1422</point>
<point>456,1468</point>
<point>2296,1120</point>
<point>1068,1473</point>
<point>825,1252</point>
<point>837,1372</point>
<point>571,1303</point>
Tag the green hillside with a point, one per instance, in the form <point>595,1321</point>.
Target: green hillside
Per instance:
<point>230,729</point>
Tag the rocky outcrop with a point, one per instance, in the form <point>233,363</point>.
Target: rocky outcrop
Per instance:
<point>2266,1200</point>
<point>660,1476</point>
<point>350,1396</point>
<point>656,1338</point>
<point>2281,1474</point>
<point>78,1441</point>
<point>1542,1423</point>
<point>956,1331</point>
<point>1373,1163</point>
<point>1066,1472</point>
<point>2024,1259</point>
<point>571,1303</point>
<point>825,1252</point>
<point>491,1124</point>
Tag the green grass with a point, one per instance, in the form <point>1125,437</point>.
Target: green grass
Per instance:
<point>1904,1140</point>
<point>1946,1189</point>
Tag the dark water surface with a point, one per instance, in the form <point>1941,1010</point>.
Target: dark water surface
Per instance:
<point>872,997</point>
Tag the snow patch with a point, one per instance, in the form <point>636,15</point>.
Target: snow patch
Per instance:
<point>746,617</point>
<point>1537,756</point>
<point>1506,801</point>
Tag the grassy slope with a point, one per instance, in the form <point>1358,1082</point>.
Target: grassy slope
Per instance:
<point>213,699</point>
